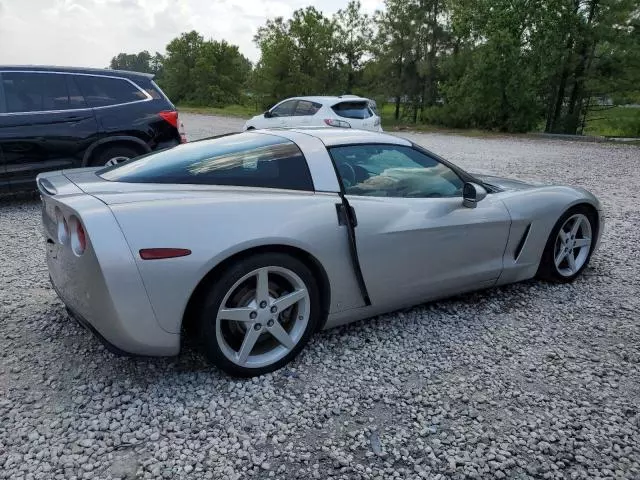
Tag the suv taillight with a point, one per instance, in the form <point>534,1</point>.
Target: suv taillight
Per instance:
<point>172,117</point>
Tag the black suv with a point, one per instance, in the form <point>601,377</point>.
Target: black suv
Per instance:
<point>54,118</point>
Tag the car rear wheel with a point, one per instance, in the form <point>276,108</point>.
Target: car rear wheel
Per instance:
<point>114,155</point>
<point>569,247</point>
<point>259,314</point>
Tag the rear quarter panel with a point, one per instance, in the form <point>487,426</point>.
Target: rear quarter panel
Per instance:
<point>103,284</point>
<point>215,226</point>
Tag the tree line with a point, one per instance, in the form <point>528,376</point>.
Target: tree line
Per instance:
<point>507,65</point>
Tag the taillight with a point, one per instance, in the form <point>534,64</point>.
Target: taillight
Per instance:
<point>78,236</point>
<point>172,117</point>
<point>62,227</point>
<point>82,239</point>
<point>71,232</point>
<point>332,122</point>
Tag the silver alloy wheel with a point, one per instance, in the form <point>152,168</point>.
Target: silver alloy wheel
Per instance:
<point>270,316</point>
<point>115,161</point>
<point>573,244</point>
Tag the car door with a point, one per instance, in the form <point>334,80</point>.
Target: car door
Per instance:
<point>46,125</point>
<point>415,239</point>
<point>281,115</point>
<point>304,113</point>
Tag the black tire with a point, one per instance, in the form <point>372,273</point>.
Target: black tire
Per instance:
<point>223,283</point>
<point>547,269</point>
<point>111,152</point>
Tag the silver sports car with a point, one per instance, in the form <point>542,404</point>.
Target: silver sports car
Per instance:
<point>253,241</point>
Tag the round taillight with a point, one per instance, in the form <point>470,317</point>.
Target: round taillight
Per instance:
<point>78,236</point>
<point>62,227</point>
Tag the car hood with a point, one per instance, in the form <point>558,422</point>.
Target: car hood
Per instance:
<point>507,183</point>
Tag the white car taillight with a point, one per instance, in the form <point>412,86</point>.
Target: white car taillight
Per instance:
<point>332,122</point>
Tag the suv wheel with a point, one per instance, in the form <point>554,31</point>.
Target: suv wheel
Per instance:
<point>114,155</point>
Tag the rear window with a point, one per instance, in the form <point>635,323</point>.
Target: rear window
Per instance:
<point>245,159</point>
<point>357,110</point>
<point>104,91</point>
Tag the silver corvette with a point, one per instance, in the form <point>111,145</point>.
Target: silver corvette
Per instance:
<point>253,241</point>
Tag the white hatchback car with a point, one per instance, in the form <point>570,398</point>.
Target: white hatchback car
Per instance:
<point>348,111</point>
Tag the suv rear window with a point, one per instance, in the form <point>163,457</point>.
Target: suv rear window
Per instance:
<point>104,91</point>
<point>358,110</point>
<point>244,159</point>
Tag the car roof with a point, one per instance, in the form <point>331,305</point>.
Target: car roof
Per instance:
<point>329,98</point>
<point>332,136</point>
<point>82,70</point>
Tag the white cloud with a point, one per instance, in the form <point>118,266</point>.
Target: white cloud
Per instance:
<point>90,32</point>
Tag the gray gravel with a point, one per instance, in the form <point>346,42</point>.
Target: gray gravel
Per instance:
<point>526,381</point>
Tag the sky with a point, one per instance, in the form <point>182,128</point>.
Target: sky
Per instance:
<point>90,32</point>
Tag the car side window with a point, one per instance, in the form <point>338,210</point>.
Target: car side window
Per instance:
<point>36,92</point>
<point>394,171</point>
<point>306,108</point>
<point>285,109</point>
<point>244,160</point>
<point>104,91</point>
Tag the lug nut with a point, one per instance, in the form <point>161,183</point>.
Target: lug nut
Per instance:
<point>270,323</point>
<point>263,304</point>
<point>274,309</point>
<point>253,315</point>
<point>257,326</point>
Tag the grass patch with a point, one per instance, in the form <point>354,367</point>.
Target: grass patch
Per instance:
<point>613,122</point>
<point>242,111</point>
<point>389,123</point>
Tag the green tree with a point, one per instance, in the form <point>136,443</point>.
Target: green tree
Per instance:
<point>297,56</point>
<point>352,39</point>
<point>396,39</point>
<point>220,74</point>
<point>178,77</point>
<point>135,62</point>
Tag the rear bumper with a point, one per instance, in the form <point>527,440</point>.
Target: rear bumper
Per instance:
<point>85,324</point>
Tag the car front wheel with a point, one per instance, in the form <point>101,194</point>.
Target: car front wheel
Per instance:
<point>259,314</point>
<point>569,247</point>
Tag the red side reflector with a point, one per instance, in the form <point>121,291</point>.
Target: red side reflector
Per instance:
<point>160,253</point>
<point>170,116</point>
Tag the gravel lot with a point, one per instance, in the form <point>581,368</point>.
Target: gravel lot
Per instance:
<point>527,381</point>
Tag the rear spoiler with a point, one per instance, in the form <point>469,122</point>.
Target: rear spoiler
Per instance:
<point>56,183</point>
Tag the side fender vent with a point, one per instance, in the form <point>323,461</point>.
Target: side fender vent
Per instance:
<point>521,243</point>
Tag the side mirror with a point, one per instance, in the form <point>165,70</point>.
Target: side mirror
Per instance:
<point>472,193</point>
<point>268,114</point>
